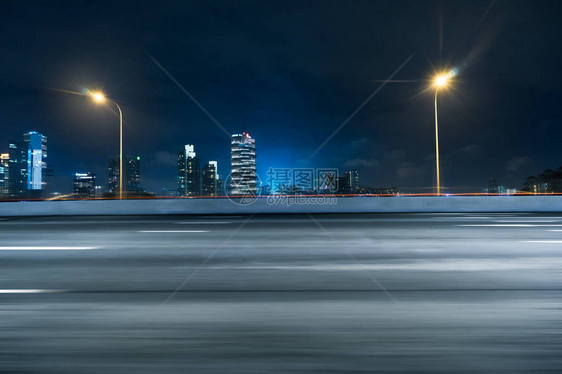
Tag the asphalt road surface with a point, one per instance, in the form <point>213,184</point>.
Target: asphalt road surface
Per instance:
<point>429,293</point>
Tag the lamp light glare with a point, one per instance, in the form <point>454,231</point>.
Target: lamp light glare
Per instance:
<point>442,80</point>
<point>98,97</point>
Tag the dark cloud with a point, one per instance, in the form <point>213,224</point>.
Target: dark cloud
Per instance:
<point>519,163</point>
<point>358,163</point>
<point>471,149</point>
<point>163,158</point>
<point>360,143</point>
<point>409,171</point>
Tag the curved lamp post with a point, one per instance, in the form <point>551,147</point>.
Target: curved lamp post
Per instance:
<point>100,98</point>
<point>440,81</point>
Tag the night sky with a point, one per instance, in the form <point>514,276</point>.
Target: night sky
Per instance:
<point>290,73</point>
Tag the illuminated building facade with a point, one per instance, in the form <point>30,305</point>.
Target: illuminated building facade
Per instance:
<point>28,172</point>
<point>354,177</point>
<point>4,164</point>
<point>132,174</point>
<point>85,185</point>
<point>36,159</point>
<point>189,172</point>
<point>131,177</point>
<point>209,178</point>
<point>17,169</point>
<point>549,181</point>
<point>243,165</point>
<point>113,175</point>
<point>349,183</point>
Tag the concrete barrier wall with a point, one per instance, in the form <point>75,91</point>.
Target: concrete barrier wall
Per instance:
<point>325,204</point>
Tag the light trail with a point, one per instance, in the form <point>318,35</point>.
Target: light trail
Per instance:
<point>16,291</point>
<point>203,223</point>
<point>508,225</point>
<point>25,248</point>
<point>172,231</point>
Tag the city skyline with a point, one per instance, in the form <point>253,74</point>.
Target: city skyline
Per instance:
<point>199,179</point>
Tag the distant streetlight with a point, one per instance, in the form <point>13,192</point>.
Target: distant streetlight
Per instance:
<point>440,81</point>
<point>100,98</point>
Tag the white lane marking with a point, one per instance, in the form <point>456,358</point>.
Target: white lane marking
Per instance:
<point>528,221</point>
<point>78,222</point>
<point>22,248</point>
<point>171,231</point>
<point>490,214</point>
<point>543,241</point>
<point>203,223</point>
<point>523,263</point>
<point>510,225</point>
<point>30,291</point>
<point>225,216</point>
<point>555,230</point>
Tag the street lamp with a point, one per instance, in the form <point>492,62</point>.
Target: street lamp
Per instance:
<point>100,98</point>
<point>440,81</point>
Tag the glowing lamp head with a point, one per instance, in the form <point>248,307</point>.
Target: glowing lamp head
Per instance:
<point>98,97</point>
<point>443,80</point>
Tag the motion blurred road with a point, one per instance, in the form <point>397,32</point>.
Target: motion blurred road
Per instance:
<point>328,293</point>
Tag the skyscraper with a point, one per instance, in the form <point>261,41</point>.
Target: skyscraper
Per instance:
<point>17,169</point>
<point>131,177</point>
<point>209,176</point>
<point>215,164</point>
<point>27,166</point>
<point>36,159</point>
<point>355,180</point>
<point>243,165</point>
<point>350,182</point>
<point>218,181</point>
<point>132,174</point>
<point>85,185</point>
<point>4,161</point>
<point>113,175</point>
<point>344,183</point>
<point>189,172</point>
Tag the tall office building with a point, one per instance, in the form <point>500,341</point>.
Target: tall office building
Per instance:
<point>28,172</point>
<point>355,180</point>
<point>85,185</point>
<point>131,177</point>
<point>209,177</point>
<point>36,159</point>
<point>132,174</point>
<point>189,172</point>
<point>218,181</point>
<point>4,160</point>
<point>215,164</point>
<point>113,175</point>
<point>17,169</point>
<point>243,165</point>
<point>349,183</point>
<point>344,184</point>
